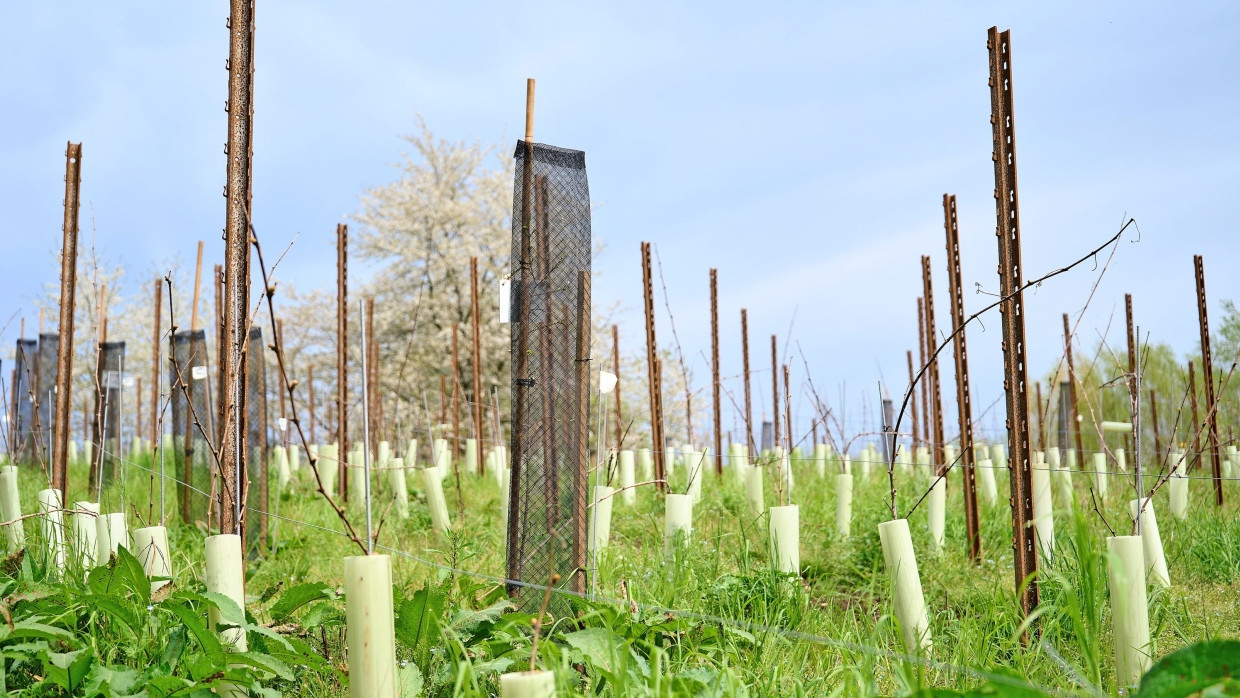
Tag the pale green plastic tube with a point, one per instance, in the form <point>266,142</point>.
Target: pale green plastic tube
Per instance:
<point>435,500</point>
<point>843,504</point>
<point>910,604</point>
<point>986,481</point>
<point>1151,543</point>
<point>599,521</point>
<point>678,519</point>
<point>150,546</point>
<point>1130,618</point>
<point>936,504</point>
<point>785,535</point>
<point>85,534</point>
<point>1100,474</point>
<point>400,489</point>
<point>527,684</point>
<point>628,493</point>
<point>1043,509</point>
<point>753,490</point>
<point>371,627</point>
<point>225,574</point>
<point>111,533</point>
<point>53,526</point>
<point>11,508</point>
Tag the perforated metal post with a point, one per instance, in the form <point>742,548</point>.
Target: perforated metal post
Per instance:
<point>964,397</point>
<point>652,358</point>
<point>927,434</point>
<point>1007,214</point>
<point>1207,368</point>
<point>936,400</point>
<point>234,353</point>
<point>342,359</point>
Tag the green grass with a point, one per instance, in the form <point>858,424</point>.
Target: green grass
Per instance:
<point>737,628</point>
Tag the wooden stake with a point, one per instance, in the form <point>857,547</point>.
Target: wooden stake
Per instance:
<point>64,352</point>
<point>714,367</point>
<point>476,349</point>
<point>745,371</point>
<point>310,399</point>
<point>456,394</point>
<point>775,432</point>
<point>513,562</point>
<point>1074,422</point>
<point>1194,460</point>
<point>156,351</point>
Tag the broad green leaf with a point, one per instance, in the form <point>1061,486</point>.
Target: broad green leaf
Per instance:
<point>265,662</point>
<point>418,619</point>
<point>178,640</point>
<point>598,646</point>
<point>197,626</point>
<point>296,597</point>
<point>410,680</point>
<point>1192,669</point>
<point>33,628</point>
<point>115,607</point>
<point>132,576</point>
<point>69,668</point>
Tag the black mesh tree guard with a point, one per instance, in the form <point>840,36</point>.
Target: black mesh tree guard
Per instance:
<point>45,392</point>
<point>551,255</point>
<point>256,442</point>
<point>188,375</point>
<point>108,410</point>
<point>23,433</point>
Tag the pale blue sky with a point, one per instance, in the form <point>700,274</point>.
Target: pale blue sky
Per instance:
<point>801,148</point>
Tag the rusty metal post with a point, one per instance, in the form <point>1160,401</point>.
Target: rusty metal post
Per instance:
<point>581,433</point>
<point>342,359</point>
<point>1194,460</point>
<point>911,378</point>
<point>652,351</point>
<point>615,360</point>
<point>1007,215</point>
<point>745,370</point>
<point>234,353</point>
<point>774,396</point>
<point>1207,370</point>
<point>963,394</point>
<point>936,400</point>
<point>478,393</point>
<point>714,367</point>
<point>1074,422</point>
<point>64,352</point>
<point>926,433</point>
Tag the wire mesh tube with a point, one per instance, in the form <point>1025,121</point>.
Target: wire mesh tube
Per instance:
<point>551,248</point>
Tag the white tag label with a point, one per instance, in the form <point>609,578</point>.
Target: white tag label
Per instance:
<point>283,424</point>
<point>127,381</point>
<point>198,373</point>
<point>505,298</point>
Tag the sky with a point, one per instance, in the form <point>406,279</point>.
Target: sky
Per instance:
<point>802,149</point>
